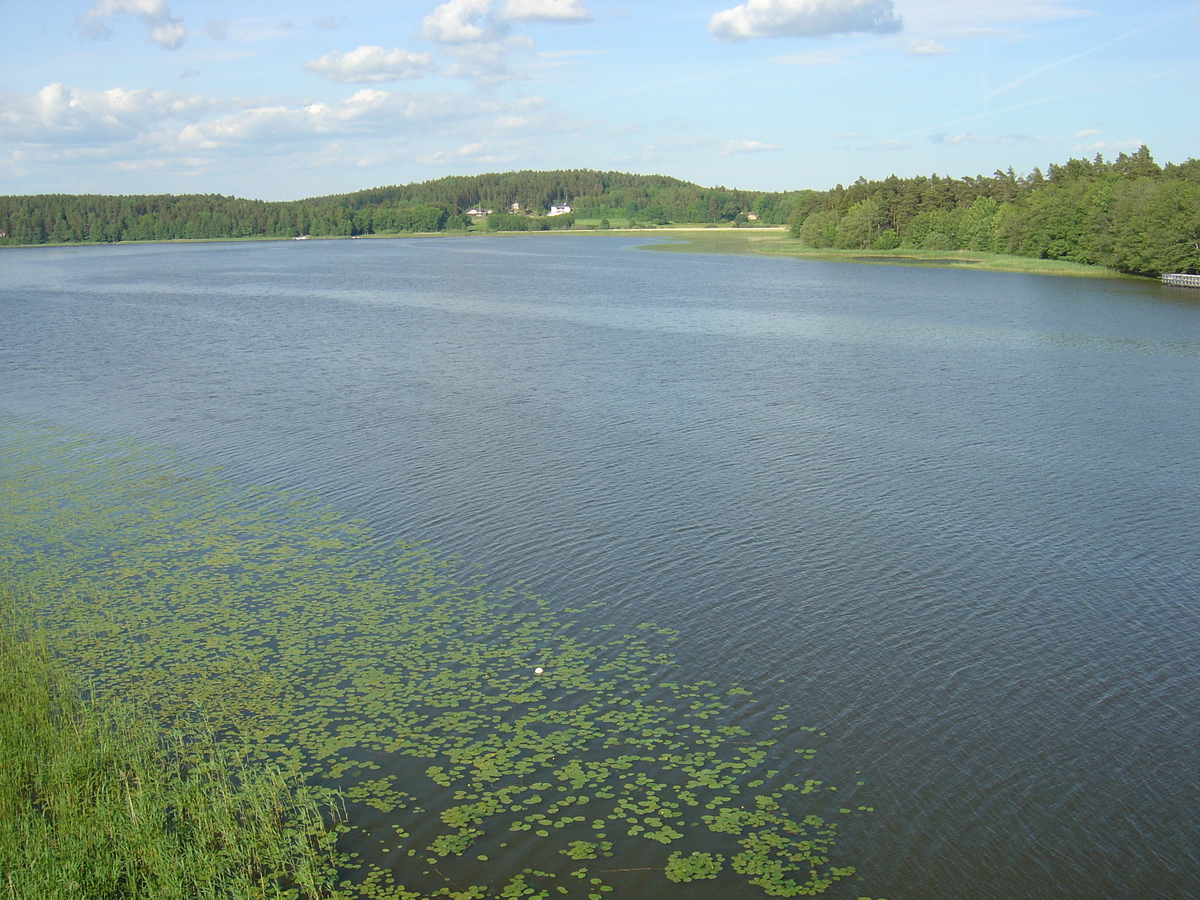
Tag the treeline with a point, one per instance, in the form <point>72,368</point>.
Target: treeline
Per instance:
<point>653,199</point>
<point>1130,214</point>
<point>511,222</point>
<point>71,218</point>
<point>424,207</point>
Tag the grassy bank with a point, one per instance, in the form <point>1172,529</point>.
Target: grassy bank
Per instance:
<point>98,801</point>
<point>773,242</point>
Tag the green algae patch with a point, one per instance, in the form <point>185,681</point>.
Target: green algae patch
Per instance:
<point>485,743</point>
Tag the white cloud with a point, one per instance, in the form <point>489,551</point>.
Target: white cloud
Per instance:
<point>479,39</point>
<point>457,22</point>
<point>544,11</point>
<point>367,112</point>
<point>1090,132</point>
<point>487,62</point>
<point>165,29</point>
<point>926,48</point>
<point>130,121</point>
<point>474,153</point>
<point>803,18</point>
<point>747,147</point>
<point>371,64</point>
<point>169,34</point>
<point>61,115</point>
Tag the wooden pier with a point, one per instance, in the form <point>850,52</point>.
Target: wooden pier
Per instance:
<point>1182,280</point>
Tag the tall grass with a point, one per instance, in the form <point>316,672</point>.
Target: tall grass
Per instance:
<point>105,803</point>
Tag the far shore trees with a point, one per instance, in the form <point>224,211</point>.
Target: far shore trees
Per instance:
<point>1130,215</point>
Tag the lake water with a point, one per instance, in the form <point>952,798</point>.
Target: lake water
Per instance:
<point>952,517</point>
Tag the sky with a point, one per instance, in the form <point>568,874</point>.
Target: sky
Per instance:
<point>285,99</point>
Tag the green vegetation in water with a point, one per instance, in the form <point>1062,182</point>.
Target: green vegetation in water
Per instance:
<point>953,259</point>
<point>769,242</point>
<point>473,732</point>
<point>97,800</point>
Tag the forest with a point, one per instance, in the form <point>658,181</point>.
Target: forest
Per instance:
<point>425,207</point>
<point>1129,214</point>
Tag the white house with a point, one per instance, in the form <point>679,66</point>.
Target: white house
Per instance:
<point>557,210</point>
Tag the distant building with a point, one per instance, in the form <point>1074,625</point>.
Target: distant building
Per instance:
<point>557,210</point>
<point>479,212</point>
<point>514,207</point>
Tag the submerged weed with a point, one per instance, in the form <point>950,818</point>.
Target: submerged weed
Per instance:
<point>409,683</point>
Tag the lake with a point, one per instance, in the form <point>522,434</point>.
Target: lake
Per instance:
<point>950,517</point>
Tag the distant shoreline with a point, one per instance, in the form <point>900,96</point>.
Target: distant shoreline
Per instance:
<point>745,241</point>
<point>754,240</point>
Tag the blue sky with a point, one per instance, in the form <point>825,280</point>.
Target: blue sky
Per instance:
<point>282,99</point>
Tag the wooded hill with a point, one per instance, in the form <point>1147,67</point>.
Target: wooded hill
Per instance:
<point>429,206</point>
<point>1130,214</point>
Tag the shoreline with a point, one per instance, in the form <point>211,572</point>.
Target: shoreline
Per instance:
<point>736,242</point>
<point>754,240</point>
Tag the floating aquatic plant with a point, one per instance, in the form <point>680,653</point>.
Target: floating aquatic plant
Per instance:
<point>454,717</point>
<point>693,866</point>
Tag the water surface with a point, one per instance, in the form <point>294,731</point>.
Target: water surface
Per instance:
<point>952,517</point>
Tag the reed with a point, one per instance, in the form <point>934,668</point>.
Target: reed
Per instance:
<point>103,801</point>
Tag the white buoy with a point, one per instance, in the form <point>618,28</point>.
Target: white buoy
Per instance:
<point>538,671</point>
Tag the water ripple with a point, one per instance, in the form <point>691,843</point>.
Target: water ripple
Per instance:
<point>951,517</point>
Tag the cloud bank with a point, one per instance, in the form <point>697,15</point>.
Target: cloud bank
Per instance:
<point>459,22</point>
<point>804,18</point>
<point>544,11</point>
<point>57,114</point>
<point>368,111</point>
<point>371,64</point>
<point>468,21</point>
